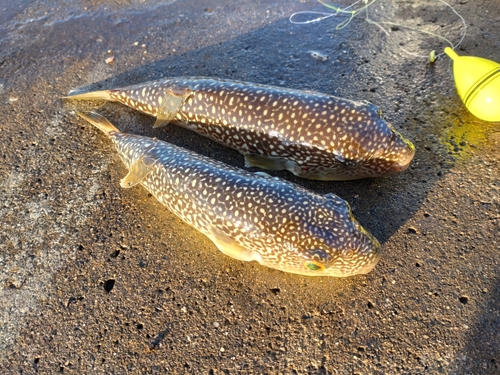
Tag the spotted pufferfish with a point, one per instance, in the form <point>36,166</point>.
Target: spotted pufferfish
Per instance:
<point>313,135</point>
<point>249,216</point>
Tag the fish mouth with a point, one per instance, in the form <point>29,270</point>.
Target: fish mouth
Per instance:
<point>403,163</point>
<point>377,249</point>
<point>370,266</point>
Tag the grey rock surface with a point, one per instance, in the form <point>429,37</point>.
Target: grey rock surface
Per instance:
<point>95,279</point>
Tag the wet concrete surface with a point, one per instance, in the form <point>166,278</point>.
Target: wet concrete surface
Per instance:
<point>97,279</point>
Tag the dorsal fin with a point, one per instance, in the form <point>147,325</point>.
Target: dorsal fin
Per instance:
<point>170,105</point>
<point>138,171</point>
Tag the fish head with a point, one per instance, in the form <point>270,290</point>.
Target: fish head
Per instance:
<point>373,150</point>
<point>399,154</point>
<point>329,242</point>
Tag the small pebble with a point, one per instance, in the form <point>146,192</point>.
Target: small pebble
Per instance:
<point>318,56</point>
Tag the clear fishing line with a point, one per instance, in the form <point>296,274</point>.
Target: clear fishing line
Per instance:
<point>363,6</point>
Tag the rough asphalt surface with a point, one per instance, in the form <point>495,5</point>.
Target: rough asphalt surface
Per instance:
<point>95,279</point>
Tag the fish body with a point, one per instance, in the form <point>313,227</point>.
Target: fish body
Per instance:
<point>313,135</point>
<point>250,217</point>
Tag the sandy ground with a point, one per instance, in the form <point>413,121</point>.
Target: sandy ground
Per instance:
<point>96,279</point>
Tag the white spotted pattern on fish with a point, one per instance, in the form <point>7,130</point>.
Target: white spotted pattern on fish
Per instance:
<point>250,216</point>
<point>314,135</point>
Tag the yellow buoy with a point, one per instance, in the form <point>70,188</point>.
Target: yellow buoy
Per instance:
<point>478,84</point>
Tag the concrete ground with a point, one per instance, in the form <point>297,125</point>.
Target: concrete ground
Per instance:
<point>95,279</point>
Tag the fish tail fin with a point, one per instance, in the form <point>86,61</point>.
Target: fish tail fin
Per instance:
<point>98,121</point>
<point>94,95</point>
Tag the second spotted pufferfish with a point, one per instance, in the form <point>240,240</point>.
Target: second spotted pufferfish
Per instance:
<point>249,216</point>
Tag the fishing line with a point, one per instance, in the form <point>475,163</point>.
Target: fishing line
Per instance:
<point>350,12</point>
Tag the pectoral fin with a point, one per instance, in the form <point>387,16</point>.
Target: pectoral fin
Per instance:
<point>170,105</point>
<point>267,162</point>
<point>232,248</point>
<point>138,171</point>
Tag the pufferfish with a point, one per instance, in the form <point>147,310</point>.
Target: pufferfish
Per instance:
<point>313,135</point>
<point>249,216</point>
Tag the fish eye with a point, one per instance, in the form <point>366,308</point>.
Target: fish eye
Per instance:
<point>314,265</point>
